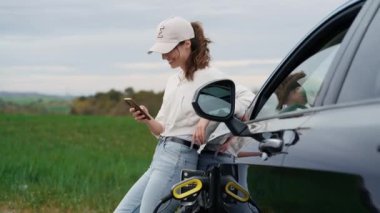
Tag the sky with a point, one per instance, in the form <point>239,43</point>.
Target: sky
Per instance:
<point>80,47</point>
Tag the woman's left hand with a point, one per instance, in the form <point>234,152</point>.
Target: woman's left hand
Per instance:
<point>200,131</point>
<point>223,147</point>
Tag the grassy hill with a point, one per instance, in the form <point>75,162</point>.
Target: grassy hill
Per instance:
<point>34,103</point>
<point>28,97</point>
<point>60,163</point>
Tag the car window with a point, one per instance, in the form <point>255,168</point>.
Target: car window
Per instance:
<point>299,89</point>
<point>363,79</point>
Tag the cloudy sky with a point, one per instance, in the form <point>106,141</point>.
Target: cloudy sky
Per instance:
<point>79,47</point>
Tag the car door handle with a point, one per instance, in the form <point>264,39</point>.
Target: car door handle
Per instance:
<point>271,145</point>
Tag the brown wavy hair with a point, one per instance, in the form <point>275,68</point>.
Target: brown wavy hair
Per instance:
<point>200,54</point>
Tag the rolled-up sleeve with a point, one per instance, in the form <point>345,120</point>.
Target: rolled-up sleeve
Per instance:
<point>160,115</point>
<point>243,99</point>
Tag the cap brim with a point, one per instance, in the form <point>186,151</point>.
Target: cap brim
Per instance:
<point>162,48</point>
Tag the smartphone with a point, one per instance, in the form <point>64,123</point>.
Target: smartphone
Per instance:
<point>134,105</point>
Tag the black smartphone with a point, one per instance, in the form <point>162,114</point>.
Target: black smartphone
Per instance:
<point>134,105</point>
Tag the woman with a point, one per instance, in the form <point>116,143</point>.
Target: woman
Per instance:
<point>179,130</point>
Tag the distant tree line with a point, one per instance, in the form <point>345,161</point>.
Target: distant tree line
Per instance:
<point>111,102</point>
<point>102,103</point>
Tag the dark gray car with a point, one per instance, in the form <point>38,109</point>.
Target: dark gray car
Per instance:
<point>317,118</point>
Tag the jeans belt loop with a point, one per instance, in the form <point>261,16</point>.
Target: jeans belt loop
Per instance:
<point>162,139</point>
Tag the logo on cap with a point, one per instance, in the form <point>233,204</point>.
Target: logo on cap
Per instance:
<point>160,33</point>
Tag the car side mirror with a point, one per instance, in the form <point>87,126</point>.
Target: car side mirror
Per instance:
<point>216,101</point>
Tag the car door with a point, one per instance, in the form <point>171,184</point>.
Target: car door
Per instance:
<point>320,167</point>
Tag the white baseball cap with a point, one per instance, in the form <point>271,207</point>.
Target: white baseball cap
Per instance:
<point>170,32</point>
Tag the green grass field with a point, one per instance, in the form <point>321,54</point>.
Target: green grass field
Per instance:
<point>67,163</point>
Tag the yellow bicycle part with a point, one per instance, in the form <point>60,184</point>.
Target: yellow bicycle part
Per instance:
<point>231,186</point>
<point>192,182</point>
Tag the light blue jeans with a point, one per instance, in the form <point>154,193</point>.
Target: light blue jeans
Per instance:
<point>164,171</point>
<point>207,160</point>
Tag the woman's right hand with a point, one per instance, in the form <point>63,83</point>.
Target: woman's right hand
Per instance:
<point>138,116</point>
<point>200,131</point>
